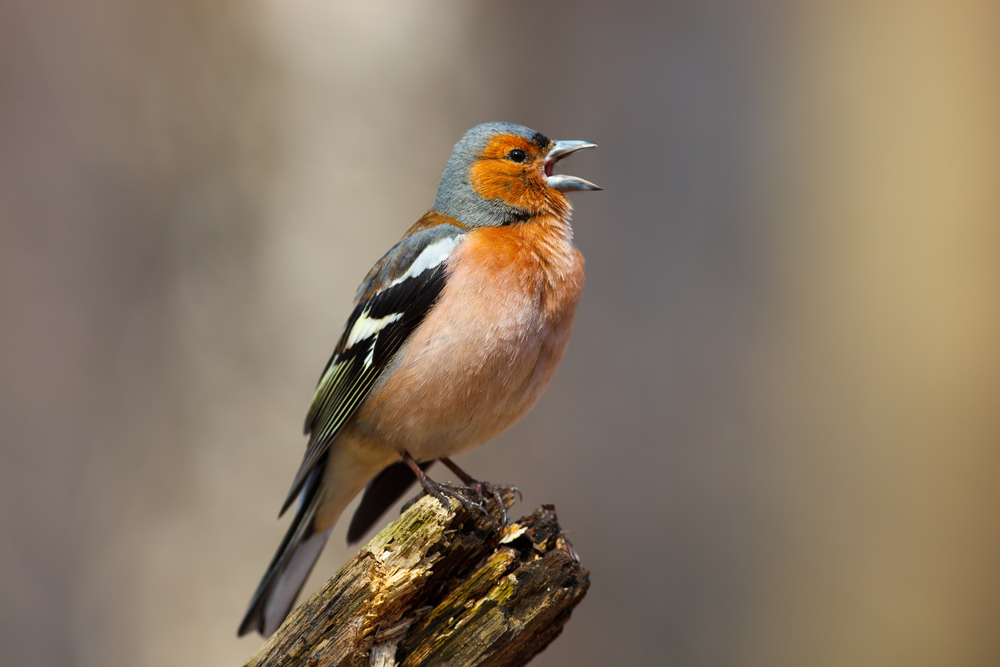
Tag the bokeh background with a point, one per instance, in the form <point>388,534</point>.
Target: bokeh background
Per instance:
<point>775,439</point>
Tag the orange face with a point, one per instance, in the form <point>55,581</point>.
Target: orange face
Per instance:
<point>512,169</point>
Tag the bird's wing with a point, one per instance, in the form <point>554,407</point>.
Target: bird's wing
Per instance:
<point>392,301</point>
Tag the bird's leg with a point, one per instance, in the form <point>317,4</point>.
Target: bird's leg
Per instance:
<point>437,490</point>
<point>493,489</point>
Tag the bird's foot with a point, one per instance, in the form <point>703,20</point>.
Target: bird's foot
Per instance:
<point>482,488</point>
<point>440,490</point>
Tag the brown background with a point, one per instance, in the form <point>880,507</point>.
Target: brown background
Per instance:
<point>775,438</point>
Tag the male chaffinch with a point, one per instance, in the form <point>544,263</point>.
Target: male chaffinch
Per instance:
<point>455,333</point>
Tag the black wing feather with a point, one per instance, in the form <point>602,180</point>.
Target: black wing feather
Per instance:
<point>352,371</point>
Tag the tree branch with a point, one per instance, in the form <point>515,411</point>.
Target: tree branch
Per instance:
<point>439,587</point>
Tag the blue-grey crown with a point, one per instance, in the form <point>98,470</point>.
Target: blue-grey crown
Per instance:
<point>455,196</point>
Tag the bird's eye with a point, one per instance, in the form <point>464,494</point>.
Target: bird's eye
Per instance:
<point>517,155</point>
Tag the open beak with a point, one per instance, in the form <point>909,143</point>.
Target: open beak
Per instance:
<point>562,182</point>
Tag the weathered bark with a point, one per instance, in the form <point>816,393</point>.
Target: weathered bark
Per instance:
<point>439,587</point>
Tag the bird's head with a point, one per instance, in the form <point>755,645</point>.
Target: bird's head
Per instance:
<point>501,173</point>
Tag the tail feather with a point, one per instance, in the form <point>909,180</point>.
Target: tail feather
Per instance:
<point>387,487</point>
<point>290,566</point>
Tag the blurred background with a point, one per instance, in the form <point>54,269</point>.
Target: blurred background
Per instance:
<point>775,439</point>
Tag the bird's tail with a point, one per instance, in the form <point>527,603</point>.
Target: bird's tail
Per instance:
<point>291,565</point>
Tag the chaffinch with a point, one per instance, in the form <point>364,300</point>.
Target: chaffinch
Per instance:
<point>455,333</point>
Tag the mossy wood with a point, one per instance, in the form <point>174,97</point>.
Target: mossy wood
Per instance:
<point>439,587</point>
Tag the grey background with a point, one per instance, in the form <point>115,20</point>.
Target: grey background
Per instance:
<point>774,439</point>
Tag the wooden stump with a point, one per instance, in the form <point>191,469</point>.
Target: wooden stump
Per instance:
<point>439,587</point>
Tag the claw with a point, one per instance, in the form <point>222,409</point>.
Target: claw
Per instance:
<point>435,492</point>
<point>438,490</point>
<point>481,487</point>
<point>461,493</point>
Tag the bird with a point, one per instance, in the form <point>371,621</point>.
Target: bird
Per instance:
<point>455,333</point>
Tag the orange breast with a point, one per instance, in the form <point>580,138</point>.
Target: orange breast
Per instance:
<point>487,350</point>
